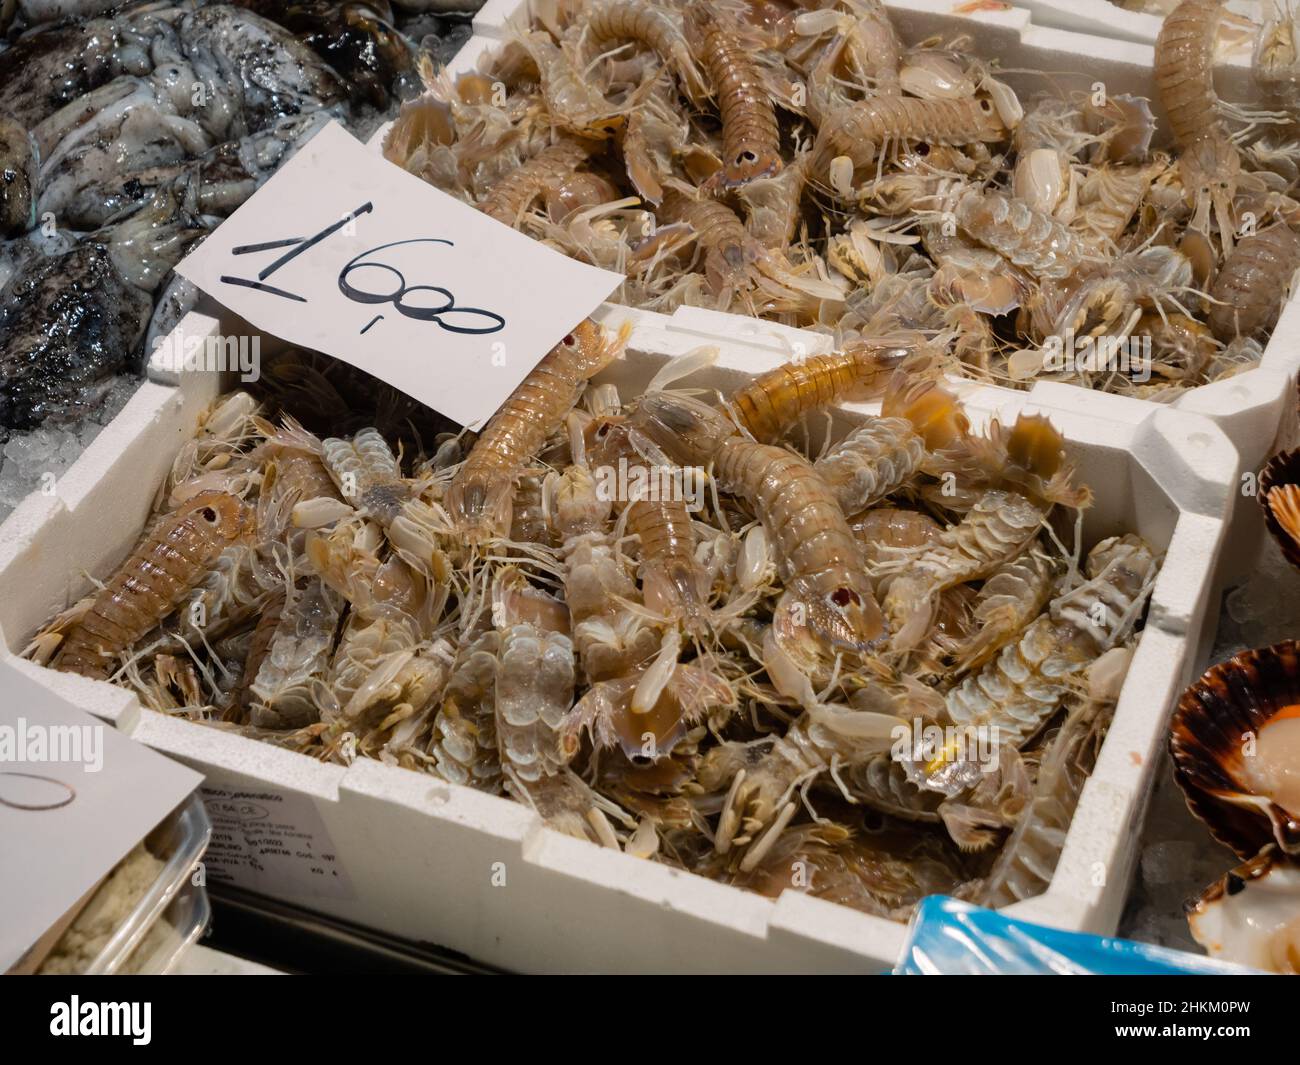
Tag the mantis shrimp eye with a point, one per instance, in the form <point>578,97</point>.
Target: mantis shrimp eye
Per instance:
<point>209,515</point>
<point>842,597</point>
<point>747,156</point>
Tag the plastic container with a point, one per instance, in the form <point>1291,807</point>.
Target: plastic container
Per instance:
<point>181,925</point>
<point>432,862</point>
<point>180,841</point>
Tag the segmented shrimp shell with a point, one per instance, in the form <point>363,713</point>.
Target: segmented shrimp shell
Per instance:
<point>877,458</point>
<point>464,744</point>
<point>861,130</point>
<point>534,691</point>
<point>815,550</point>
<point>1032,239</point>
<point>653,26</point>
<point>367,474</point>
<point>510,197</point>
<point>169,563</point>
<point>772,402</point>
<point>1250,289</point>
<point>284,692</point>
<point>1185,70</point>
<point>672,583</point>
<point>751,139</point>
<point>480,496</point>
<point>1018,691</point>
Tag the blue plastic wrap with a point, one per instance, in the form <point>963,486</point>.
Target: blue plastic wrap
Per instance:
<point>947,937</point>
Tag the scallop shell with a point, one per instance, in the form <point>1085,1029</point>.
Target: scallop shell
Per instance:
<point>1252,915</point>
<point>1279,495</point>
<point>1218,727</point>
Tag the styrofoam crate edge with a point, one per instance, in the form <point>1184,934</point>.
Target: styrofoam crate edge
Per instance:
<point>425,793</point>
<point>637,891</point>
<point>34,513</point>
<point>1250,406</point>
<point>186,742</point>
<point>548,879</point>
<point>496,18</point>
<point>166,364</point>
<point>642,889</point>
<point>821,928</point>
<point>785,341</point>
<point>1096,17</point>
<point>109,703</point>
<point>1105,19</point>
<point>89,495</point>
<point>1097,860</point>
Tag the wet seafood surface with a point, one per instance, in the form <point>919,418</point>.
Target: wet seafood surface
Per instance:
<point>867,659</point>
<point>127,133</point>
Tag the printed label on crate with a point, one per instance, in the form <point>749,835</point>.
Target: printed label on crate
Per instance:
<point>273,843</point>
<point>346,253</point>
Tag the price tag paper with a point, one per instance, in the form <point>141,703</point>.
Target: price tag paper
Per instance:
<point>346,253</point>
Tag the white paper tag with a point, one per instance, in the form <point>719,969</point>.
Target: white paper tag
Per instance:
<point>344,252</point>
<point>271,842</point>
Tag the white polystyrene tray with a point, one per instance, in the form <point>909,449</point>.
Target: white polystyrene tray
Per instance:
<point>1033,37</point>
<point>1105,19</point>
<point>421,855</point>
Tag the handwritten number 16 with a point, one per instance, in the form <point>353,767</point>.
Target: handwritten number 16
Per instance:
<point>446,314</point>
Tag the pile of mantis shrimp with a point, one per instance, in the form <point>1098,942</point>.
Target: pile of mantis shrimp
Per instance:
<point>801,163</point>
<point>769,679</point>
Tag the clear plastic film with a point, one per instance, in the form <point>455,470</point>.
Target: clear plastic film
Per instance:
<point>949,938</point>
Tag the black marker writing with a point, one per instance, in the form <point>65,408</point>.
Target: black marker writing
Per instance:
<point>297,246</point>
<point>447,315</point>
<point>410,301</point>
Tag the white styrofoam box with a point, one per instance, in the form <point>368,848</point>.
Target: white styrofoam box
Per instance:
<point>1106,19</point>
<point>439,863</point>
<point>497,18</point>
<point>1034,37</point>
<point>1099,17</point>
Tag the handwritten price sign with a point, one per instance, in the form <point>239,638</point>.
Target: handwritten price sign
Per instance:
<point>345,253</point>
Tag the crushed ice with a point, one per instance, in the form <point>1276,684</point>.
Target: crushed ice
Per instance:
<point>27,457</point>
